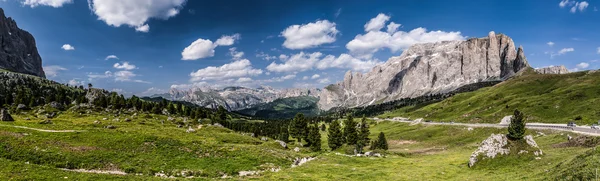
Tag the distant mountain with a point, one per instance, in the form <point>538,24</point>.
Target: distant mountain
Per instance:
<point>284,108</point>
<point>18,52</point>
<point>429,68</point>
<point>235,98</point>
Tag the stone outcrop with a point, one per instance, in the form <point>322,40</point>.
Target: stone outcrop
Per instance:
<point>553,70</point>
<point>235,98</point>
<point>429,68</point>
<point>18,51</point>
<point>5,116</point>
<point>497,144</point>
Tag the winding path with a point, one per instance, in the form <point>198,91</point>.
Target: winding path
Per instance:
<point>561,127</point>
<point>45,130</point>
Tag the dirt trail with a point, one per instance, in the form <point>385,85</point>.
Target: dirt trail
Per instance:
<point>46,130</point>
<point>113,172</point>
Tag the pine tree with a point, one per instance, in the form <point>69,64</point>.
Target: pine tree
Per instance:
<point>516,128</point>
<point>350,134</point>
<point>298,127</point>
<point>283,135</point>
<point>363,135</point>
<point>314,138</point>
<point>334,135</point>
<point>381,142</point>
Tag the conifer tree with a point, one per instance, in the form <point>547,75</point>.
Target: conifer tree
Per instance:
<point>334,135</point>
<point>298,127</point>
<point>350,133</point>
<point>314,138</point>
<point>381,142</point>
<point>363,135</point>
<point>283,135</point>
<point>516,128</point>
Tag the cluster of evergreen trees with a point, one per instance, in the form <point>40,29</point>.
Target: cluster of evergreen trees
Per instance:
<point>352,133</point>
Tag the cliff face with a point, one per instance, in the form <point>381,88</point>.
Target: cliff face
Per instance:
<point>553,70</point>
<point>18,52</point>
<point>428,68</point>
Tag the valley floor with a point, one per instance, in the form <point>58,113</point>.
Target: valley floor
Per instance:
<point>417,152</point>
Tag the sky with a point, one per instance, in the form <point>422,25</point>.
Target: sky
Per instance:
<point>145,47</point>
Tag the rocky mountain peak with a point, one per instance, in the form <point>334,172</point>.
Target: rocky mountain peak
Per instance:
<point>553,70</point>
<point>18,51</point>
<point>429,68</point>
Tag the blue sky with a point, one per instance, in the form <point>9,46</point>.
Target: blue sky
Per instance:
<point>163,44</point>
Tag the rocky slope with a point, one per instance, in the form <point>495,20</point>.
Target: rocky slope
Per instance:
<point>235,98</point>
<point>428,68</point>
<point>18,52</point>
<point>553,70</point>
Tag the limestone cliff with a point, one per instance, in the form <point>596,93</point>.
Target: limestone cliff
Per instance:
<point>18,52</point>
<point>428,68</point>
<point>553,70</point>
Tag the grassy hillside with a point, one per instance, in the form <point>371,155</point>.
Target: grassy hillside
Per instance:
<point>284,108</point>
<point>144,146</point>
<point>543,98</point>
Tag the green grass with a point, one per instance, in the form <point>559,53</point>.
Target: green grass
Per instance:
<point>143,146</point>
<point>543,98</point>
<point>436,153</point>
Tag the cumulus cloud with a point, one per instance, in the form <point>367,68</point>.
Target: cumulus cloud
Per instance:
<point>375,39</point>
<point>575,6</point>
<point>189,86</point>
<point>92,76</point>
<point>134,13</point>
<point>550,43</point>
<point>203,48</point>
<point>235,54</point>
<point>244,80</point>
<point>127,76</point>
<point>377,23</point>
<point>316,76</point>
<point>309,35</point>
<point>67,47</point>
<point>583,65</point>
<point>111,57</point>
<point>304,61</point>
<point>124,65</point>
<point>305,78</point>
<point>236,69</point>
<point>76,82</point>
<point>561,52</point>
<point>265,56</point>
<point>323,81</point>
<point>53,70</point>
<point>52,3</point>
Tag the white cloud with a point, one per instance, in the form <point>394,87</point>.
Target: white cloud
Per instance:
<point>323,81</point>
<point>67,47</point>
<point>52,3</point>
<point>303,61</point>
<point>305,78</point>
<point>393,27</point>
<point>283,57</point>
<point>238,68</point>
<point>52,70</point>
<point>203,48</point>
<point>235,54</point>
<point>152,91</point>
<point>144,28</point>
<point>92,76</point>
<point>583,65</point>
<point>125,66</point>
<point>265,56</point>
<point>227,40</point>
<point>550,43</point>
<point>316,76</point>
<point>375,39</point>
<point>134,13</point>
<point>296,63</point>
<point>565,50</point>
<point>111,57</point>
<point>189,86</point>
<point>564,3</point>
<point>561,52</point>
<point>127,76</point>
<point>76,82</point>
<point>244,80</point>
<point>309,35</point>
<point>579,6</point>
<point>377,23</point>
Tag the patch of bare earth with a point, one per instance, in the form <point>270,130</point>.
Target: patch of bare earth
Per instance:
<point>113,172</point>
<point>401,142</point>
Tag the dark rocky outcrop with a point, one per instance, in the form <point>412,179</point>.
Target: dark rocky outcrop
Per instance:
<point>5,116</point>
<point>18,52</point>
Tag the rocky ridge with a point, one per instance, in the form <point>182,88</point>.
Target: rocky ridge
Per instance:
<point>235,98</point>
<point>553,70</point>
<point>18,51</point>
<point>429,68</point>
